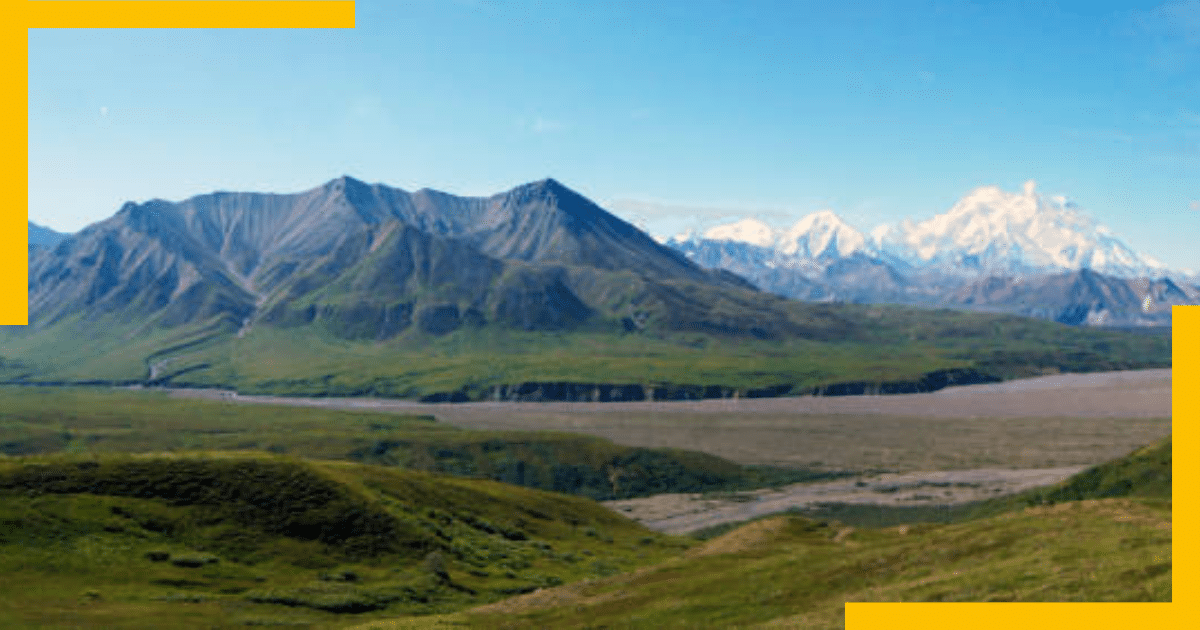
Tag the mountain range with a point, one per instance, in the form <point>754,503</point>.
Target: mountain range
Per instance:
<point>1019,253</point>
<point>369,260</point>
<point>534,293</point>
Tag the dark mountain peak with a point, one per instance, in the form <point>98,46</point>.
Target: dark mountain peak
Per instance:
<point>345,180</point>
<point>543,189</point>
<point>144,216</point>
<point>553,194</point>
<point>549,184</point>
<point>348,187</point>
<point>370,202</point>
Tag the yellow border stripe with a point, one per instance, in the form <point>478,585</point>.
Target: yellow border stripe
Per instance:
<point>189,14</point>
<point>14,176</point>
<point>1185,408</point>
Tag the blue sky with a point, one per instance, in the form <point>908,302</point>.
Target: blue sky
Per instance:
<point>671,114</point>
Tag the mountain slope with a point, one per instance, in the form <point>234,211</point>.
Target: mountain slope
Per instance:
<point>44,236</point>
<point>1079,297</point>
<point>142,264</point>
<point>821,235</point>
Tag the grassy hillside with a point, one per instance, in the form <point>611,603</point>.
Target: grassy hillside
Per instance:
<point>829,344</point>
<point>230,540</point>
<point>792,572</point>
<point>1144,473</point>
<point>36,420</point>
<point>797,572</point>
<point>234,539</point>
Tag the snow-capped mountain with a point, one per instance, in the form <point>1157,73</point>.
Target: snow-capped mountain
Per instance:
<point>991,250</point>
<point>988,231</point>
<point>808,247</point>
<point>751,231</point>
<point>821,235</point>
<point>994,232</point>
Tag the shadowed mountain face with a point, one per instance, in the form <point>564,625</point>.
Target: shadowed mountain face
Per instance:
<point>370,261</point>
<point>141,262</point>
<point>44,236</point>
<point>1082,297</point>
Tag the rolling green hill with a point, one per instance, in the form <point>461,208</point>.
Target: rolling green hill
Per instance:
<point>236,539</point>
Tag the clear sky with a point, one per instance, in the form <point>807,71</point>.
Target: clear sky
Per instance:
<point>669,113</point>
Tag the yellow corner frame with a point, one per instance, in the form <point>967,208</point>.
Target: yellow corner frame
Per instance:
<point>14,301</point>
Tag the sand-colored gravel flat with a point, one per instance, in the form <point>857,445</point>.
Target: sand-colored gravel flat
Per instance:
<point>683,513</point>
<point>1047,422</point>
<point>955,445</point>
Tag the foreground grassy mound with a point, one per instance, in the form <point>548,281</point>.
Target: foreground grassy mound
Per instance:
<point>1060,543</point>
<point>1069,542</point>
<point>76,420</point>
<point>274,496</point>
<point>229,540</point>
<point>793,572</point>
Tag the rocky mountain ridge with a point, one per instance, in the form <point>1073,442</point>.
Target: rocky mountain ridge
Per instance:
<point>371,261</point>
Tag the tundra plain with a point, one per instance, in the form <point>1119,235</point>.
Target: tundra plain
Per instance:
<point>950,447</point>
<point>1062,420</point>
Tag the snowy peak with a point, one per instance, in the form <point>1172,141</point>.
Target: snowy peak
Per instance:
<point>988,232</point>
<point>748,230</point>
<point>1020,252</point>
<point>995,231</point>
<point>821,234</point>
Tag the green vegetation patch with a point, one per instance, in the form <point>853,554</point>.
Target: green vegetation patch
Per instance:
<point>818,346</point>
<point>275,496</point>
<point>227,540</point>
<point>798,572</point>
